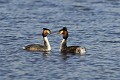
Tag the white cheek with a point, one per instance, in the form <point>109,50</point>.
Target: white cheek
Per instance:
<point>61,32</point>
<point>48,32</point>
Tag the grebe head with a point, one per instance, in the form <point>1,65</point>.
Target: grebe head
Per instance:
<point>64,32</point>
<point>46,32</point>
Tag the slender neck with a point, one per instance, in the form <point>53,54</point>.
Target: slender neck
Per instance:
<point>63,44</point>
<point>46,43</point>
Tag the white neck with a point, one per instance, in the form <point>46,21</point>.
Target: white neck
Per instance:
<point>47,44</point>
<point>63,43</point>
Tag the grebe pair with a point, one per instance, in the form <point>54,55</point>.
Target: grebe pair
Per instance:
<point>63,46</point>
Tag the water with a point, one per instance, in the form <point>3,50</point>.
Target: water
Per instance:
<point>94,24</point>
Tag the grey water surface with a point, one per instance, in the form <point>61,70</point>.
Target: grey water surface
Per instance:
<point>94,24</point>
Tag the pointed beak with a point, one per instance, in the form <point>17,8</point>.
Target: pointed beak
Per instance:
<point>55,32</point>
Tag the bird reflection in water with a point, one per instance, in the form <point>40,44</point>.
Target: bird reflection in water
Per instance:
<point>65,56</point>
<point>46,55</point>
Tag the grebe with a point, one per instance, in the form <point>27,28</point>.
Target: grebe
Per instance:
<point>69,49</point>
<point>38,47</point>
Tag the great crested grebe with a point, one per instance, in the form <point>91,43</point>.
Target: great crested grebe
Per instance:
<point>69,49</point>
<point>38,47</point>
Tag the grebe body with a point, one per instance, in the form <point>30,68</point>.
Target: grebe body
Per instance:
<point>39,47</point>
<point>69,49</point>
